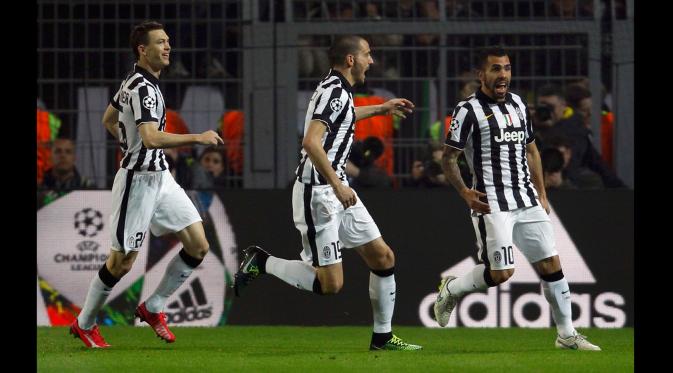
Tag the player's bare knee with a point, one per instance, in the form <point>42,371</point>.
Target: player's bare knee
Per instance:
<point>119,269</point>
<point>386,259</point>
<point>199,251</point>
<point>502,275</point>
<point>331,287</point>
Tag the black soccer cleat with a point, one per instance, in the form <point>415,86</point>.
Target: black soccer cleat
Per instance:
<point>251,267</point>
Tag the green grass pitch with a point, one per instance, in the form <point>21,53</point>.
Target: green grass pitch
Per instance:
<point>325,349</point>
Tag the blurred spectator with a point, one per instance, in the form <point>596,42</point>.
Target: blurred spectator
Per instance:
<point>579,98</point>
<point>581,177</point>
<point>361,167</point>
<point>554,117</point>
<point>232,131</point>
<point>467,88</point>
<point>48,126</point>
<point>63,176</point>
<point>429,173</point>
<point>209,173</point>
<point>379,126</point>
<point>552,165</point>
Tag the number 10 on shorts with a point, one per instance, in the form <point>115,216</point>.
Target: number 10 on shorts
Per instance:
<point>507,255</point>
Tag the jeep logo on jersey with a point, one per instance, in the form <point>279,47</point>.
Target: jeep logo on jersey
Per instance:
<point>505,305</point>
<point>516,137</point>
<point>335,104</point>
<point>149,102</point>
<point>185,309</point>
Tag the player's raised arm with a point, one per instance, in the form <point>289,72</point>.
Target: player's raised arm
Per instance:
<point>153,138</point>
<point>399,107</point>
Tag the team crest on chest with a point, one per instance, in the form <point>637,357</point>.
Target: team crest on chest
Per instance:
<point>519,113</point>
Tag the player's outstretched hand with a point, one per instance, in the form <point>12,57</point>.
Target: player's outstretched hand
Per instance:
<point>345,195</point>
<point>471,196</point>
<point>398,107</point>
<point>210,137</point>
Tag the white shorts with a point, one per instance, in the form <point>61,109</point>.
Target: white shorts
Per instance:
<point>326,227</point>
<point>142,199</point>
<point>529,228</point>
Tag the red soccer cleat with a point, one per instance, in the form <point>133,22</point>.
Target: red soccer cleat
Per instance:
<point>157,321</point>
<point>91,338</point>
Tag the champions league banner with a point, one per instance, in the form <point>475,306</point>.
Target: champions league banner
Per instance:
<point>430,232</point>
<point>73,242</point>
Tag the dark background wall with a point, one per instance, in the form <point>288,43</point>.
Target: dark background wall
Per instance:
<point>429,231</point>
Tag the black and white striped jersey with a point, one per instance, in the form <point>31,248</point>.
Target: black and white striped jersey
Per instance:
<point>139,100</point>
<point>332,104</point>
<point>494,136</point>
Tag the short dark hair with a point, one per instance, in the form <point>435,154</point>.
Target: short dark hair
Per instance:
<point>343,46</point>
<point>576,93</point>
<point>214,149</point>
<point>549,90</point>
<point>493,50</point>
<point>139,35</point>
<point>552,160</point>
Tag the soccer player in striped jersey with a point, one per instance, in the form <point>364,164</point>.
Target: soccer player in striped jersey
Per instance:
<point>144,193</point>
<point>508,203</point>
<point>327,212</point>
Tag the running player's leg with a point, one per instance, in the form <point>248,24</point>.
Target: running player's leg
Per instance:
<point>358,230</point>
<point>133,199</point>
<point>317,219</point>
<point>174,213</point>
<point>534,236</point>
<point>494,241</point>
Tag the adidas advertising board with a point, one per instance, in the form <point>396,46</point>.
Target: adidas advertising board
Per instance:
<point>504,310</point>
<point>431,233</point>
<point>73,242</point>
<point>199,301</point>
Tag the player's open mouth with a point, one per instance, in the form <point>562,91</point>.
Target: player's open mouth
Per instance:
<point>501,88</point>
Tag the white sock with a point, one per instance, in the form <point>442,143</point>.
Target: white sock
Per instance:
<point>176,274</point>
<point>382,294</point>
<point>95,299</point>
<point>469,282</point>
<point>558,296</point>
<point>295,272</point>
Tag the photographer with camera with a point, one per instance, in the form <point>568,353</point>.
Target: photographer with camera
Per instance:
<point>553,117</point>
